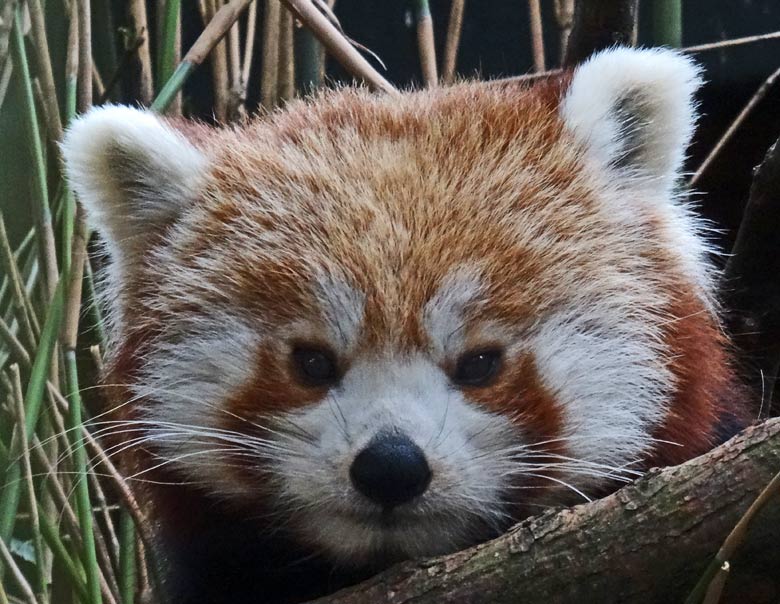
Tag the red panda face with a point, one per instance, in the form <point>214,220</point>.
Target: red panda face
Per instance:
<point>396,324</point>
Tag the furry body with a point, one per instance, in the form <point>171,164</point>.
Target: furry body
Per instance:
<point>402,235</point>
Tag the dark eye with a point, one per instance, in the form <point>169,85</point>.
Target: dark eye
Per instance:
<point>316,366</point>
<point>477,368</point>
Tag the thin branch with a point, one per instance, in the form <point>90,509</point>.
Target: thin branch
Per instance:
<point>747,110</point>
<point>732,42</point>
<point>219,62</point>
<point>216,28</point>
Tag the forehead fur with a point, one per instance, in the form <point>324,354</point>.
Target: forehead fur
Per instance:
<point>391,196</point>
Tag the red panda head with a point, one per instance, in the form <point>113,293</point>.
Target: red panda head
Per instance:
<point>395,323</point>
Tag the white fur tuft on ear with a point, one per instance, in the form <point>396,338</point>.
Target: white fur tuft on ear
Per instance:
<point>633,109</point>
<point>133,173</point>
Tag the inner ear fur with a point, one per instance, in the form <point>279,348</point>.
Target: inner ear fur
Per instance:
<point>633,110</point>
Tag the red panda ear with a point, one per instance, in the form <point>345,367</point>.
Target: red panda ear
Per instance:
<point>132,172</point>
<point>634,112</point>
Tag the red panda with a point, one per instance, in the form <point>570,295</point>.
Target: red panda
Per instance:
<point>368,328</point>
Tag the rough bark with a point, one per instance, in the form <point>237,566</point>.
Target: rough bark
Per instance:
<point>751,283</point>
<point>599,24</point>
<point>648,542</point>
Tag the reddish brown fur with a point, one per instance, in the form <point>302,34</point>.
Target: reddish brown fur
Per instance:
<point>315,156</point>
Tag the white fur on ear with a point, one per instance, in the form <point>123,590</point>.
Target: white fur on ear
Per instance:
<point>132,172</point>
<point>633,110</point>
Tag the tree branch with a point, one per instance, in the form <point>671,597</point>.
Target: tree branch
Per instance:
<point>648,542</point>
<point>751,283</point>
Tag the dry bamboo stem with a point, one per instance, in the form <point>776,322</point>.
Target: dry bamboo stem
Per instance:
<point>17,573</point>
<point>564,18</point>
<point>234,55</point>
<point>143,60</point>
<point>426,44</point>
<point>337,45</point>
<point>537,34</point>
<point>6,71</point>
<point>249,43</point>
<point>22,305</point>
<point>454,29</point>
<point>286,76</point>
<point>218,64</point>
<point>46,76</point>
<point>61,500</point>
<point>236,88</point>
<point>269,82</point>
<point>24,447</point>
<point>15,346</point>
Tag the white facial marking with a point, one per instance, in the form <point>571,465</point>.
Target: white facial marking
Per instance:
<point>443,318</point>
<point>342,308</point>
<point>189,377</point>
<point>606,369</point>
<point>461,442</point>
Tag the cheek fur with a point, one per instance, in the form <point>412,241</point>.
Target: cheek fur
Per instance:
<point>520,395</point>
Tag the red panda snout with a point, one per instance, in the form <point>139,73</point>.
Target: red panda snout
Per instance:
<point>391,470</point>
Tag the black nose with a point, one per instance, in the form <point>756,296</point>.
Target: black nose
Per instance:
<point>391,470</point>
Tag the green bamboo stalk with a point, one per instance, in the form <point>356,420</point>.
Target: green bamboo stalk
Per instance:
<point>71,99</point>
<point>307,61</point>
<point>42,212</point>
<point>127,554</point>
<point>215,30</point>
<point>172,87</point>
<point>167,61</point>
<point>666,18</point>
<point>83,504</point>
<point>75,424</point>
<point>76,574</point>
<point>52,539</point>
